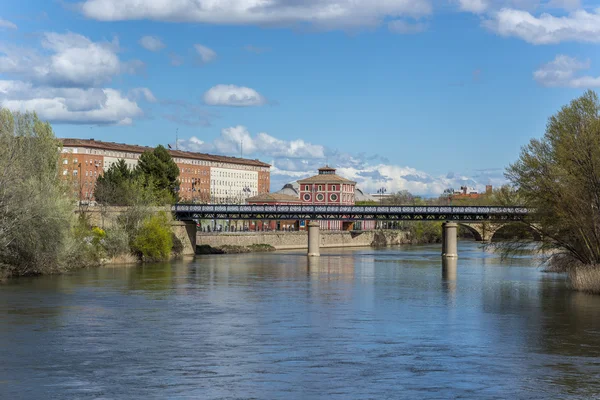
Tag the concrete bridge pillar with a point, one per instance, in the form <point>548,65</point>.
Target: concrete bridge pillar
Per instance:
<point>449,268</point>
<point>449,239</point>
<point>314,239</point>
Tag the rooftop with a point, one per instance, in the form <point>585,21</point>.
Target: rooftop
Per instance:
<point>273,197</point>
<point>325,178</point>
<point>132,148</point>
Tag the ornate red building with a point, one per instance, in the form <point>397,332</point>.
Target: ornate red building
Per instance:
<point>327,188</point>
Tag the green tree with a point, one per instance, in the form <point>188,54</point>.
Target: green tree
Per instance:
<point>36,210</point>
<point>116,186</point>
<point>559,177</point>
<point>160,172</point>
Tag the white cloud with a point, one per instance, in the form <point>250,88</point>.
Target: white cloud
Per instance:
<point>152,43</point>
<point>7,24</point>
<point>232,95</point>
<point>404,27</point>
<point>206,55</point>
<point>142,93</point>
<point>69,105</point>
<point>562,72</point>
<point>474,6</point>
<point>325,14</point>
<point>235,139</point>
<point>295,159</point>
<point>577,26</point>
<point>74,61</point>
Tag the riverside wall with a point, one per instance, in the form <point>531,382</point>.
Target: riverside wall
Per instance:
<point>299,240</point>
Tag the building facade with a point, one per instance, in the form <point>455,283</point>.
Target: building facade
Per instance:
<point>203,178</point>
<point>328,188</point>
<point>325,188</point>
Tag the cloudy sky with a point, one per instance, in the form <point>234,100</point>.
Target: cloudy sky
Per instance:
<point>402,94</point>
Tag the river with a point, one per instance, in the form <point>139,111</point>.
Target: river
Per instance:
<point>353,324</point>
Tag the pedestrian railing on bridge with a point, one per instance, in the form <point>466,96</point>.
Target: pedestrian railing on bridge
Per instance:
<point>349,213</point>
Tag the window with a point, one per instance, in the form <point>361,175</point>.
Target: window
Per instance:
<point>320,188</point>
<point>66,172</point>
<point>306,197</point>
<point>320,197</point>
<point>74,172</point>
<point>65,161</point>
<point>333,197</point>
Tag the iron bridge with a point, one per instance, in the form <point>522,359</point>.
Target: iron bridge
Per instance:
<point>349,213</point>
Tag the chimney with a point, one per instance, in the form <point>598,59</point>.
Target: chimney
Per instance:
<point>488,189</point>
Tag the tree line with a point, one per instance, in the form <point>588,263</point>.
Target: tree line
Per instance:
<point>39,230</point>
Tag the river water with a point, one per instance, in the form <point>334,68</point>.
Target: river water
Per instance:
<point>354,324</point>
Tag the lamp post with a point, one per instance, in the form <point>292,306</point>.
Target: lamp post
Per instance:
<point>193,190</point>
<point>381,191</point>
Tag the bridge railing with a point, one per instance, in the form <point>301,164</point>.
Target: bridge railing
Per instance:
<point>315,209</point>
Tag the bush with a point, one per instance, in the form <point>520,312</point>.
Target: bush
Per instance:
<point>154,240</point>
<point>425,232</point>
<point>84,249</point>
<point>116,242</point>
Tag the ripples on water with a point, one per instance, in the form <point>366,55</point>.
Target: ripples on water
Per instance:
<point>354,324</point>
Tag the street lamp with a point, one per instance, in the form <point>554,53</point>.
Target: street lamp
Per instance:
<point>246,192</point>
<point>381,191</point>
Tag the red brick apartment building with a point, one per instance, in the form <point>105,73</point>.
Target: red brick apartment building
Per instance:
<point>203,178</point>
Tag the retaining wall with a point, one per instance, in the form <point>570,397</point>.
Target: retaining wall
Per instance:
<point>299,240</point>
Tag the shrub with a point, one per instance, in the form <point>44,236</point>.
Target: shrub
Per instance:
<point>154,239</point>
<point>116,242</point>
<point>426,232</point>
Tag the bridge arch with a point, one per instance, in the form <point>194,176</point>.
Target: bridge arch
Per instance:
<point>475,231</point>
<point>515,229</point>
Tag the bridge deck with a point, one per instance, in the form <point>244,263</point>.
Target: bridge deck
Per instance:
<point>349,213</point>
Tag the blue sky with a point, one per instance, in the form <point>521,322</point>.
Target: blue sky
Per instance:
<point>402,94</point>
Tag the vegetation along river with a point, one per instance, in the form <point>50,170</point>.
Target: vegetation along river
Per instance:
<point>355,323</point>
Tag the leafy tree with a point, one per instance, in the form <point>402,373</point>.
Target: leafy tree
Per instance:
<point>159,171</point>
<point>35,205</point>
<point>559,177</point>
<point>116,186</point>
<point>403,197</point>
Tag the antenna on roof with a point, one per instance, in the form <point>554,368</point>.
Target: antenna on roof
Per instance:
<point>177,139</point>
<point>242,148</point>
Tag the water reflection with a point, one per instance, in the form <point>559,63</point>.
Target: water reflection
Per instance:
<point>449,271</point>
<point>349,324</point>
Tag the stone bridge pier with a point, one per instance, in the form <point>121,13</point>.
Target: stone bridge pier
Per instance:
<point>314,239</point>
<point>449,240</point>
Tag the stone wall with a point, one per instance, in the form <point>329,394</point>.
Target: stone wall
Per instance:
<point>186,233</point>
<point>106,217</point>
<point>299,240</point>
